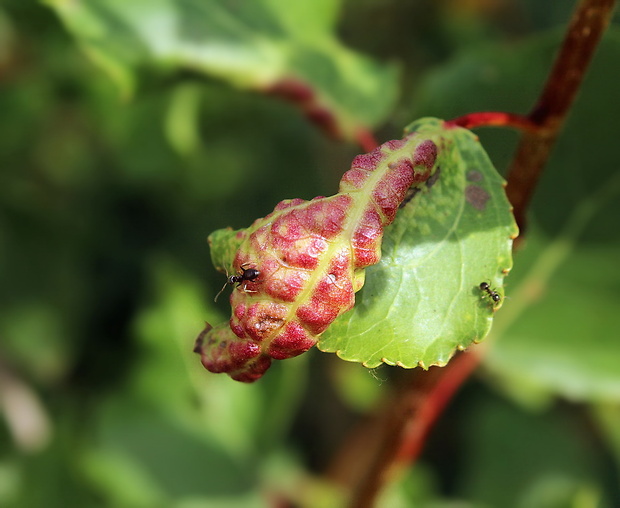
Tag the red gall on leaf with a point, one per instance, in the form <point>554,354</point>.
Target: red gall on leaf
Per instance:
<point>309,257</point>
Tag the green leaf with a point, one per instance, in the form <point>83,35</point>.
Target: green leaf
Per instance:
<point>288,48</point>
<point>423,300</point>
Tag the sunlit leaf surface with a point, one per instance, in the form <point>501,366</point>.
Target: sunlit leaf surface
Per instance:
<point>423,300</point>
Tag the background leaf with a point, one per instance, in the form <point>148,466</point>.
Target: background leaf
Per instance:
<point>556,468</point>
<point>267,45</point>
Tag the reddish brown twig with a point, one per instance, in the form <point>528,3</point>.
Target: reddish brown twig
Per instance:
<point>587,26</point>
<point>394,437</point>
<point>543,124</point>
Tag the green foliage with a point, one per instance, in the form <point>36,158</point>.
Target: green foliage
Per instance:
<point>106,205</point>
<point>267,45</point>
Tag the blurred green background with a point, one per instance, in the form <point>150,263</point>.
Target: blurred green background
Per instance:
<point>123,147</point>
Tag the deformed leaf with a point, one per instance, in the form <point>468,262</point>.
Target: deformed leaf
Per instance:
<point>423,300</point>
<point>275,46</point>
<point>298,268</point>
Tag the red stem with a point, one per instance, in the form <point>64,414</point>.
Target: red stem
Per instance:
<point>495,119</point>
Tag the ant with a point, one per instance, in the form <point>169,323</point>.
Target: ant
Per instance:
<point>495,296</point>
<point>246,275</point>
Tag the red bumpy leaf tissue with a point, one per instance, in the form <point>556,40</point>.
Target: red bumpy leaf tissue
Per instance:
<point>310,257</point>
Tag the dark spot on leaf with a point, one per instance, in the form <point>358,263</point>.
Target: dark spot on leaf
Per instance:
<point>411,193</point>
<point>474,176</point>
<point>433,178</point>
<point>201,338</point>
<point>476,197</point>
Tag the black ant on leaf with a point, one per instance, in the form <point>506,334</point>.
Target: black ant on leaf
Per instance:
<point>494,295</point>
<point>246,275</point>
